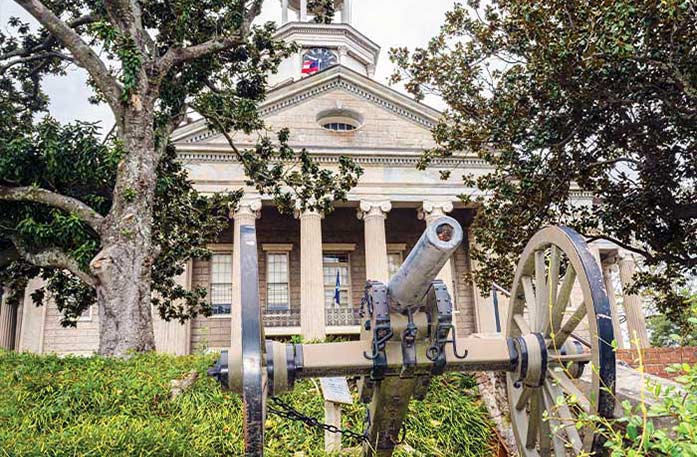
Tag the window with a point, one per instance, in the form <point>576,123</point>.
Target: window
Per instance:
<point>340,120</point>
<point>221,283</point>
<point>394,261</point>
<point>339,126</point>
<point>337,278</point>
<point>277,294</point>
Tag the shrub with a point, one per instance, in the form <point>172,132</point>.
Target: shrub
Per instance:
<point>53,406</point>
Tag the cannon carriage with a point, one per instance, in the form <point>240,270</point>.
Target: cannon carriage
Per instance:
<point>558,354</point>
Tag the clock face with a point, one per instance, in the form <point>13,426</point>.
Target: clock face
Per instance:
<point>318,59</point>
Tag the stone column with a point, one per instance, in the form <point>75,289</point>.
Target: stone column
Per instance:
<point>312,320</point>
<point>430,211</point>
<point>303,10</point>
<point>8,322</point>
<point>246,214</point>
<point>636,324</point>
<point>346,12</point>
<point>374,215</point>
<point>343,55</point>
<point>484,309</point>
<point>284,11</point>
<point>610,289</point>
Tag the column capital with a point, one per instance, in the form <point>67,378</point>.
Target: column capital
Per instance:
<point>373,208</point>
<point>249,207</point>
<point>431,209</point>
<point>301,214</point>
<point>625,256</point>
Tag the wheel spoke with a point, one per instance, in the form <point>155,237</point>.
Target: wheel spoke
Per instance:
<point>534,419</point>
<point>552,286</point>
<point>530,300</point>
<point>570,325</point>
<point>567,419</point>
<point>557,441</point>
<point>568,386</point>
<point>545,438</point>
<point>522,324</point>
<point>562,300</point>
<point>557,357</point>
<point>541,292</point>
<point>524,398</point>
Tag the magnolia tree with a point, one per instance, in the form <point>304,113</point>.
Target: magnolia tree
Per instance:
<point>565,97</point>
<point>101,219</point>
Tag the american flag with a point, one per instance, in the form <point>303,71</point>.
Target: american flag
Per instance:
<point>310,66</point>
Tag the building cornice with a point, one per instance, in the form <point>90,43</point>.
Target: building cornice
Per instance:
<point>362,159</point>
<point>315,29</point>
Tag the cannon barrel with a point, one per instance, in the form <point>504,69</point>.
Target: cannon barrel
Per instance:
<point>409,285</point>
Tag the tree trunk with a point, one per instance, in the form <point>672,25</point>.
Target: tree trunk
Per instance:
<point>123,267</point>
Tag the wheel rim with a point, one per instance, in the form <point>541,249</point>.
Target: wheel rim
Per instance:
<point>253,375</point>
<point>573,316</point>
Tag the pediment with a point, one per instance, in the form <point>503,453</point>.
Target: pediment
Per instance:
<point>389,120</point>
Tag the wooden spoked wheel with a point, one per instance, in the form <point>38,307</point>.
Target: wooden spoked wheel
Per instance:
<point>559,320</point>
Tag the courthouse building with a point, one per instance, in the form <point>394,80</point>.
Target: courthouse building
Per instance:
<point>313,266</point>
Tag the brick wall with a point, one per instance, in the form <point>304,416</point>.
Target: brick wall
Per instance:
<point>656,360</point>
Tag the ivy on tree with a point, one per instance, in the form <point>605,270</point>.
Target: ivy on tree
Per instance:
<point>587,112</point>
<point>106,222</point>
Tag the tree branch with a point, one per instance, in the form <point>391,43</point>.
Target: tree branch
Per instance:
<point>39,56</point>
<point>50,40</point>
<point>81,51</point>
<point>69,204</point>
<point>175,56</point>
<point>54,258</point>
<point>178,55</point>
<point>628,247</point>
<point>128,17</point>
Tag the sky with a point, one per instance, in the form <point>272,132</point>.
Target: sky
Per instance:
<point>389,23</point>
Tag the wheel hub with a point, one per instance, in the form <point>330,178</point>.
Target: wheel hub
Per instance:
<point>532,360</point>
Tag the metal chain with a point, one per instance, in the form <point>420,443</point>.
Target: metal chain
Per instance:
<point>286,411</point>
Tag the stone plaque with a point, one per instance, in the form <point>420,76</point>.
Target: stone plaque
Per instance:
<point>336,390</point>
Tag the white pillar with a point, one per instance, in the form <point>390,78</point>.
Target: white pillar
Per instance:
<point>246,213</point>
<point>374,215</point>
<point>8,322</point>
<point>430,211</point>
<point>33,320</point>
<point>284,11</point>
<point>346,12</point>
<point>610,289</point>
<point>343,54</point>
<point>303,10</point>
<point>636,324</point>
<point>312,320</point>
<point>484,309</point>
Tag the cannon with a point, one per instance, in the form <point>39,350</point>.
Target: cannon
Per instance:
<point>556,350</point>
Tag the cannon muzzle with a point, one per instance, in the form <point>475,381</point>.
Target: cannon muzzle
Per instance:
<point>409,285</point>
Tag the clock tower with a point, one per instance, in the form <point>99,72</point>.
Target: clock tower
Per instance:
<point>322,45</point>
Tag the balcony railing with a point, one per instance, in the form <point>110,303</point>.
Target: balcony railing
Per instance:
<point>289,318</point>
<point>341,316</point>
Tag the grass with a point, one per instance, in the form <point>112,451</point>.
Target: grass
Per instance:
<point>52,406</point>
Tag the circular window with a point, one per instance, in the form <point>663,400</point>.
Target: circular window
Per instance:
<point>340,120</point>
